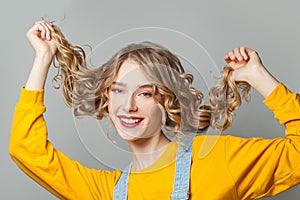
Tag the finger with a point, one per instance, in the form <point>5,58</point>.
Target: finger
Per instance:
<point>227,58</point>
<point>238,54</point>
<point>231,55</point>
<point>250,51</point>
<point>40,29</point>
<point>49,25</point>
<point>46,33</point>
<point>244,53</point>
<point>50,30</point>
<point>37,29</point>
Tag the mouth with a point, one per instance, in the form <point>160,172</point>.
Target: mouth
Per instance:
<point>130,122</point>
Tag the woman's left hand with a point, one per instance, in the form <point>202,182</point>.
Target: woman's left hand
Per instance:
<point>245,63</point>
<point>248,67</point>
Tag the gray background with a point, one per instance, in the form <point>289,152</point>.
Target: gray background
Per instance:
<point>270,27</point>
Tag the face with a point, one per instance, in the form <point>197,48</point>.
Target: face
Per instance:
<point>133,108</point>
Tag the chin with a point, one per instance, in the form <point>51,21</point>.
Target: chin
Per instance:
<point>132,138</point>
<point>127,137</point>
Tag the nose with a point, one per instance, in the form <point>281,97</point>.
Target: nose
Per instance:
<point>130,104</point>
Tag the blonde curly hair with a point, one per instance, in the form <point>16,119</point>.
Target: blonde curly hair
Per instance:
<point>85,88</point>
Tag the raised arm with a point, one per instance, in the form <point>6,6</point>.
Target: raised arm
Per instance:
<point>262,167</point>
<point>29,147</point>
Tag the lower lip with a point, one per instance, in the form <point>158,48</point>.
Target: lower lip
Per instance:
<point>130,125</point>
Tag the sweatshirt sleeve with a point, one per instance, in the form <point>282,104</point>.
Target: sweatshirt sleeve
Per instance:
<point>262,167</point>
<point>36,156</point>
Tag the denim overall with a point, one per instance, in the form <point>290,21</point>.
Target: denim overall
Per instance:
<point>181,180</point>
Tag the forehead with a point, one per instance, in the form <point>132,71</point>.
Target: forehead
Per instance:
<point>131,74</point>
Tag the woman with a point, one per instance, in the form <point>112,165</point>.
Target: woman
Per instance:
<point>135,89</point>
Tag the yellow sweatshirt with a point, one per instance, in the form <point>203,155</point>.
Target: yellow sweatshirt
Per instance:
<point>236,168</point>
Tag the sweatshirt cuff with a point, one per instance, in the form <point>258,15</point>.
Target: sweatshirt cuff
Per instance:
<point>278,97</point>
<point>31,97</point>
<point>284,104</point>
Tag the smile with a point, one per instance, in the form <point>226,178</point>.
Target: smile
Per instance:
<point>130,122</point>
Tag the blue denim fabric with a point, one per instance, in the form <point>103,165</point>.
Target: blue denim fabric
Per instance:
<point>181,189</point>
<point>181,180</point>
<point>121,188</point>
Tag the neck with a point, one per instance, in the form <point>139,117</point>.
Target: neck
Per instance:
<point>146,151</point>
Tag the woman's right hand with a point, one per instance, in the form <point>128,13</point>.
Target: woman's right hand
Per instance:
<point>40,38</point>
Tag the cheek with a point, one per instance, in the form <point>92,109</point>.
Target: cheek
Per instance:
<point>156,113</point>
<point>112,110</point>
<point>113,104</point>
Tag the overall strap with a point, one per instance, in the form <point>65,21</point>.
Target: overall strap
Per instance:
<point>181,189</point>
<point>181,181</point>
<point>121,188</point>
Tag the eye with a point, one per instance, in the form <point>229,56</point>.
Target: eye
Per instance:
<point>145,94</point>
<point>116,90</point>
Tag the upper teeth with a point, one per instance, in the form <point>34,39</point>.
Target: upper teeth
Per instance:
<point>130,121</point>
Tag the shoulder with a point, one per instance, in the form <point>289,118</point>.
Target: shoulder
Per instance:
<point>206,144</point>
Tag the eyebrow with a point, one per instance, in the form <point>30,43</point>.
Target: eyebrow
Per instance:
<point>124,85</point>
<point>118,83</point>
